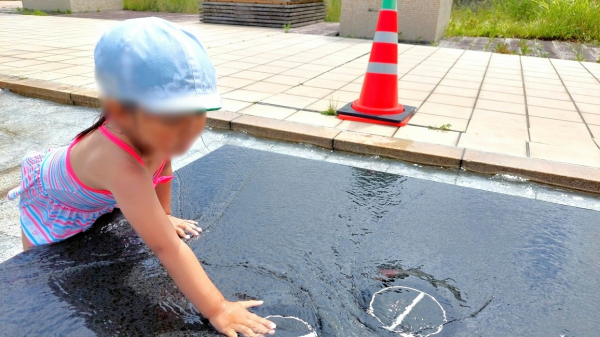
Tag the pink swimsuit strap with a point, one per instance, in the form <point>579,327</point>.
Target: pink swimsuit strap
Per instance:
<point>120,143</point>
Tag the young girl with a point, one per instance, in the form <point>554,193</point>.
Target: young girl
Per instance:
<point>157,83</point>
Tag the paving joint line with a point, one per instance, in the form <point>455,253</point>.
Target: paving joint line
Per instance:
<point>462,160</point>
<point>275,105</point>
<point>526,106</point>
<point>591,73</point>
<point>576,107</point>
<point>479,91</point>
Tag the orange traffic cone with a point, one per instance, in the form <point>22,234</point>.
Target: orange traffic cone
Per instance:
<point>378,102</point>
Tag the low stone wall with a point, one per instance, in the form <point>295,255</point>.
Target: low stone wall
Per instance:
<point>73,5</point>
<point>293,13</point>
<point>418,20</point>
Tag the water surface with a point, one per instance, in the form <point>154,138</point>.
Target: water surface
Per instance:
<point>347,251</point>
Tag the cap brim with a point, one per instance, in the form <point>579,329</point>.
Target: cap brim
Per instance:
<point>186,104</point>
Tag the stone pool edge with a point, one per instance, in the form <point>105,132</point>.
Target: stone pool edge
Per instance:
<point>553,173</point>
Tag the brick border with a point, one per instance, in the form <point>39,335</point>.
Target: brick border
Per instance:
<point>572,176</point>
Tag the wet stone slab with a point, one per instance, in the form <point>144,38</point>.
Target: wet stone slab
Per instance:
<point>342,250</point>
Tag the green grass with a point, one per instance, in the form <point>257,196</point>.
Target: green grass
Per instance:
<point>502,48</point>
<point>331,108</point>
<point>578,51</point>
<point>170,6</point>
<point>443,127</point>
<point>26,11</point>
<point>334,10</point>
<point>570,20</point>
<point>524,47</point>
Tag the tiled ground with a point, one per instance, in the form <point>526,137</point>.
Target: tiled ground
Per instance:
<point>521,106</point>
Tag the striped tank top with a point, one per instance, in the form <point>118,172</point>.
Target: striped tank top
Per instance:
<point>54,204</point>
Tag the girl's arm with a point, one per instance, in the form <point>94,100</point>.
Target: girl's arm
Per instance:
<point>163,192</point>
<point>133,191</point>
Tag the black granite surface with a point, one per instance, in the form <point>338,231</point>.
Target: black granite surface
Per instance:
<point>316,241</point>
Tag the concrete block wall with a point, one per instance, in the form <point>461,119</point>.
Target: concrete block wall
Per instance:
<point>418,20</point>
<point>73,5</point>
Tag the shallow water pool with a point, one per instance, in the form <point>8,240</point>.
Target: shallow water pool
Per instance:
<point>333,250</point>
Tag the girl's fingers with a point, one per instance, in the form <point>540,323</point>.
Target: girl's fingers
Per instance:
<point>189,229</point>
<point>250,304</point>
<point>256,328</point>
<point>265,323</point>
<point>246,331</point>
<point>259,328</point>
<point>180,232</point>
<point>230,333</point>
<point>194,225</point>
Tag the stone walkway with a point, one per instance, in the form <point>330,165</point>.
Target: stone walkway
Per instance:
<point>508,104</point>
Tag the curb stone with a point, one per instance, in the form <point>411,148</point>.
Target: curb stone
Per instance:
<point>407,150</point>
<point>41,89</point>
<point>577,177</point>
<point>284,130</point>
<point>86,97</point>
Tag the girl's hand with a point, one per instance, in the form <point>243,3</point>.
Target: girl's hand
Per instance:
<point>182,226</point>
<point>233,317</point>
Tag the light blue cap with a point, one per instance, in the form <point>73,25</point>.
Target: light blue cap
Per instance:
<point>157,65</point>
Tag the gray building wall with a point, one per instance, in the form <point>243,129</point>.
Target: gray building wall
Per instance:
<point>73,5</point>
<point>418,20</point>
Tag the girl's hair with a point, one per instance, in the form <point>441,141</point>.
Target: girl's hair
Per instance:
<point>129,107</point>
<point>98,123</point>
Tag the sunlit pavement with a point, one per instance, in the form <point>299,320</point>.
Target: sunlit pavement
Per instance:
<point>520,106</point>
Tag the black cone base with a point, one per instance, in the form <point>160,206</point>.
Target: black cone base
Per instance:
<point>401,119</point>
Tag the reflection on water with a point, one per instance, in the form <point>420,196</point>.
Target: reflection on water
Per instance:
<point>348,252</point>
<point>372,192</point>
<point>127,287</point>
<point>394,271</point>
<point>547,250</point>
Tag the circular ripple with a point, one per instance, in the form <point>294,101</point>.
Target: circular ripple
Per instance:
<point>408,311</point>
<point>289,326</point>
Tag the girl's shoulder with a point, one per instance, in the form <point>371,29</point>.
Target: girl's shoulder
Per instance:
<point>98,162</point>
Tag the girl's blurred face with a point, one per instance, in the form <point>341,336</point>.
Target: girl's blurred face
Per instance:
<point>172,135</point>
<point>168,134</point>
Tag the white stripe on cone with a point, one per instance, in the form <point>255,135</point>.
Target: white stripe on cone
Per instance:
<point>385,37</point>
<point>382,68</point>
